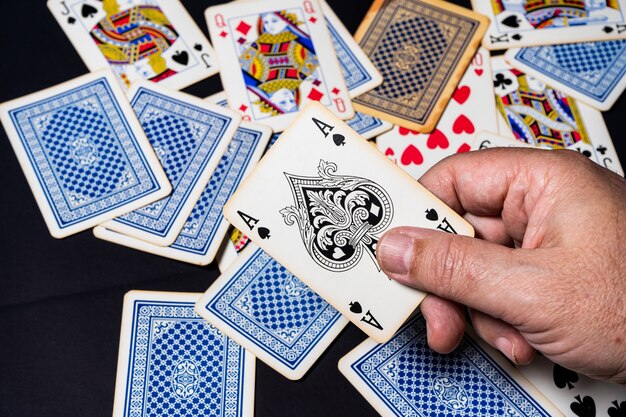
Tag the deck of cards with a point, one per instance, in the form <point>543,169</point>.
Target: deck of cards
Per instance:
<point>289,177</point>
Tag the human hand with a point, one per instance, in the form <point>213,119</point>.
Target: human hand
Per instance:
<point>548,270</point>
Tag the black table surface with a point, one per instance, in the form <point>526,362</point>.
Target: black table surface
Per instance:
<point>61,300</point>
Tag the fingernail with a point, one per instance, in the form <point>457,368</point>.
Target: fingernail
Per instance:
<point>505,346</point>
<point>394,253</point>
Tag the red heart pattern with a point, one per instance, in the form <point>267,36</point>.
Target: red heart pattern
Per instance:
<point>389,152</point>
<point>478,71</point>
<point>437,140</point>
<point>463,148</point>
<point>412,155</point>
<point>463,124</point>
<point>461,94</point>
<point>404,131</point>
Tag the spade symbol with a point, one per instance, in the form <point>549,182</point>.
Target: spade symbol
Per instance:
<point>264,233</point>
<point>339,139</point>
<point>607,29</point>
<point>71,20</point>
<point>585,407</point>
<point>564,377</point>
<point>517,37</point>
<point>511,21</point>
<point>355,307</point>
<point>197,47</point>
<point>88,10</point>
<point>431,214</point>
<point>618,410</point>
<point>181,57</point>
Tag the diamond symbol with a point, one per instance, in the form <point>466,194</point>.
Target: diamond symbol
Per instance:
<point>315,94</point>
<point>317,83</point>
<point>312,19</point>
<point>243,107</point>
<point>335,90</point>
<point>223,34</point>
<point>243,27</point>
<point>241,40</point>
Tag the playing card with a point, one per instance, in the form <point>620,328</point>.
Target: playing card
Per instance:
<point>205,227</point>
<point>404,377</point>
<point>172,362</point>
<point>271,313</point>
<point>421,48</point>
<point>592,72</point>
<point>574,394</point>
<point>273,60</point>
<point>226,255</point>
<point>83,152</point>
<point>319,201</point>
<point>472,108</point>
<point>189,135</point>
<point>542,116</point>
<point>547,22</point>
<point>486,140</point>
<point>152,40</point>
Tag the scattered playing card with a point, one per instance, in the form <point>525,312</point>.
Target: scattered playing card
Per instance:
<point>189,135</point>
<point>152,40</point>
<point>84,154</point>
<point>421,48</point>
<point>205,228</point>
<point>471,109</point>
<point>542,116</point>
<point>172,362</point>
<point>592,72</point>
<point>486,140</point>
<point>319,201</point>
<point>404,377</point>
<point>271,313</point>
<point>274,59</point>
<point>545,22</point>
<point>226,255</point>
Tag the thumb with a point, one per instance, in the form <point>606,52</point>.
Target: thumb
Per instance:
<point>485,276</point>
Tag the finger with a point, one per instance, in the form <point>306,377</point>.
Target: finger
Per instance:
<point>490,228</point>
<point>445,323</point>
<point>502,336</point>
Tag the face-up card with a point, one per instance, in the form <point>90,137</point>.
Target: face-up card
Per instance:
<point>574,394</point>
<point>226,255</point>
<point>172,362</point>
<point>592,72</point>
<point>404,377</point>
<point>152,40</point>
<point>486,140</point>
<point>539,115</point>
<point>205,228</point>
<point>271,313</point>
<point>189,135</point>
<point>275,60</point>
<point>84,154</point>
<point>517,23</point>
<point>318,202</point>
<point>471,109</point>
<point>421,48</point>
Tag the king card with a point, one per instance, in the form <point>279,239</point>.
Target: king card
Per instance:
<point>516,23</point>
<point>592,72</point>
<point>421,48</point>
<point>84,153</point>
<point>319,201</point>
<point>153,40</point>
<point>542,116</point>
<point>273,60</point>
<point>271,313</point>
<point>172,362</point>
<point>404,377</point>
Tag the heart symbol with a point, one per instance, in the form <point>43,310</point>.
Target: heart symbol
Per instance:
<point>411,155</point>
<point>462,124</point>
<point>404,131</point>
<point>461,94</point>
<point>389,152</point>
<point>437,139</point>
<point>355,307</point>
<point>338,253</point>
<point>463,148</point>
<point>181,57</point>
<point>478,71</point>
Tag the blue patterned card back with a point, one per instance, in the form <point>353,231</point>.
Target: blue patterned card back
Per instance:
<point>172,362</point>
<point>82,154</point>
<point>353,71</point>
<point>270,312</point>
<point>407,378</point>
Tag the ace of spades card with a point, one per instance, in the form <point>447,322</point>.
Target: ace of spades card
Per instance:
<point>155,40</point>
<point>274,59</point>
<point>318,203</point>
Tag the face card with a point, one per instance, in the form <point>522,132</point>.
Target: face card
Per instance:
<point>319,201</point>
<point>592,72</point>
<point>486,140</point>
<point>153,40</point>
<point>226,255</point>
<point>271,313</point>
<point>574,394</point>
<point>205,228</point>
<point>83,174</point>
<point>517,23</point>
<point>189,135</point>
<point>275,60</point>
<point>404,377</point>
<point>471,109</point>
<point>172,362</point>
<point>542,116</point>
<point>421,48</point>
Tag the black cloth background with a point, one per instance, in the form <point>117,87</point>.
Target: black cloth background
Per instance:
<point>61,300</point>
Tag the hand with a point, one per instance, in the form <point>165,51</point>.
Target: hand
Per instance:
<point>548,270</point>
